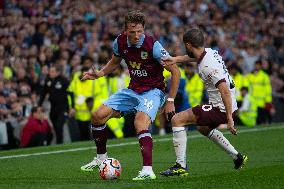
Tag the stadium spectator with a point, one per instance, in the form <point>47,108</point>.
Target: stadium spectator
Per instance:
<point>4,111</point>
<point>56,86</point>
<point>247,113</point>
<point>240,81</point>
<point>260,89</point>
<point>194,86</point>
<point>37,131</point>
<point>87,96</point>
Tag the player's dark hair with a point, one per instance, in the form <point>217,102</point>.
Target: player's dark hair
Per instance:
<point>194,37</point>
<point>135,17</point>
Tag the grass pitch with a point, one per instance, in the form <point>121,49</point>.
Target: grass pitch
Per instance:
<point>58,166</point>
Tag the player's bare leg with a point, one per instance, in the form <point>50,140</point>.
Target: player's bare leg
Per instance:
<point>99,133</point>
<point>218,138</point>
<point>163,122</point>
<point>142,122</point>
<point>180,142</point>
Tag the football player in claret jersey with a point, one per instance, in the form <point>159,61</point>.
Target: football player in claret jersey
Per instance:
<point>144,96</point>
<point>220,110</point>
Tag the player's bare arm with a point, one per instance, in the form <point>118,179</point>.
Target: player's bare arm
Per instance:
<point>227,100</point>
<point>107,69</point>
<point>175,76</point>
<point>178,59</point>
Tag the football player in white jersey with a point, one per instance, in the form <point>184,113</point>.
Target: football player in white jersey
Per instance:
<point>220,110</point>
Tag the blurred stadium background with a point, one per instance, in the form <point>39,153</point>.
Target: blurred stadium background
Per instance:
<point>72,35</point>
<point>37,36</point>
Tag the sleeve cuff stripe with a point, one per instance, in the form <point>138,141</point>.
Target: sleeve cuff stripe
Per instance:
<point>219,82</point>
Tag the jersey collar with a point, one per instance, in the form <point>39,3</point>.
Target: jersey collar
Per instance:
<point>201,57</point>
<point>139,44</point>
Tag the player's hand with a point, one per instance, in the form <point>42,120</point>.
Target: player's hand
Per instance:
<point>231,127</point>
<point>92,74</point>
<point>168,61</point>
<point>169,110</point>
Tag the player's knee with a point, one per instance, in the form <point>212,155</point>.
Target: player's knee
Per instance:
<point>140,126</point>
<point>174,121</point>
<point>141,123</point>
<point>98,118</point>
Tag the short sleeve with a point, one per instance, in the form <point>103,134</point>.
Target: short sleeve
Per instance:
<point>159,51</point>
<point>115,48</point>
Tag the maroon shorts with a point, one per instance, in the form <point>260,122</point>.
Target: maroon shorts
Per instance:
<point>207,115</point>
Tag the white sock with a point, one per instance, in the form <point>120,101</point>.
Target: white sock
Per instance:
<point>179,141</point>
<point>218,137</point>
<point>162,131</point>
<point>147,169</point>
<point>102,157</point>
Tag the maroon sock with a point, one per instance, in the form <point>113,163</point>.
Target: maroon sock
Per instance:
<point>146,147</point>
<point>99,133</point>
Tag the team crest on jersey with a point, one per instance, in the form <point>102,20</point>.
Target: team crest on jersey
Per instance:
<point>144,55</point>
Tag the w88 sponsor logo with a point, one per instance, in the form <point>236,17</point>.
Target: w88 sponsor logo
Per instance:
<point>139,73</point>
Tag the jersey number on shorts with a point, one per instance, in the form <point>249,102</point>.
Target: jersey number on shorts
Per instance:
<point>206,107</point>
<point>148,104</point>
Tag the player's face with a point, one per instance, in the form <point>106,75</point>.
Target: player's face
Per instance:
<point>134,32</point>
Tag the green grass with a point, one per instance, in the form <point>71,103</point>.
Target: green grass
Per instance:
<point>209,166</point>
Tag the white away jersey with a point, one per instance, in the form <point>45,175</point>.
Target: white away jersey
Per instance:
<point>212,70</point>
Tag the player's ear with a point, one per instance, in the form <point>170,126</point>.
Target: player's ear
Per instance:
<point>188,45</point>
<point>125,28</point>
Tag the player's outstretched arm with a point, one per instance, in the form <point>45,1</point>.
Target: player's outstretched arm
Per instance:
<point>177,59</point>
<point>170,107</point>
<point>227,100</point>
<point>107,69</point>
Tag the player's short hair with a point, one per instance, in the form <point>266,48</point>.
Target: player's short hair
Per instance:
<point>135,17</point>
<point>195,37</point>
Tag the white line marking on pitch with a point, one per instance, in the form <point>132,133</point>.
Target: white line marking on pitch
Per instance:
<point>132,143</point>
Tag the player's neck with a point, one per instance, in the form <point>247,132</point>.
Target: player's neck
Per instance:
<point>198,52</point>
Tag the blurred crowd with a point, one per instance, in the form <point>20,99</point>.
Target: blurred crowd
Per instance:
<point>73,34</point>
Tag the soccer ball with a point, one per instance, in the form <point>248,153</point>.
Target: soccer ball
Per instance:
<point>109,169</point>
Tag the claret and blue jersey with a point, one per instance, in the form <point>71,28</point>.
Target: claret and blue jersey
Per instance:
<point>143,61</point>
<point>146,89</point>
